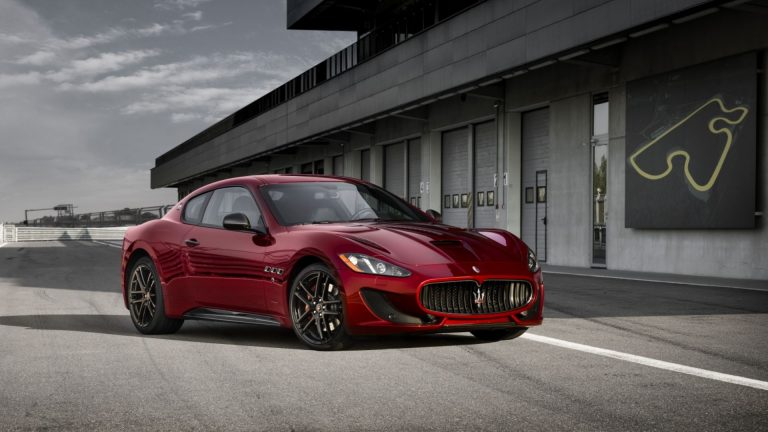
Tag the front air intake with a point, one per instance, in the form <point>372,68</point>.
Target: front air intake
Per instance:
<point>470,298</point>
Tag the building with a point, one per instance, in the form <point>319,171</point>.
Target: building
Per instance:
<point>629,134</point>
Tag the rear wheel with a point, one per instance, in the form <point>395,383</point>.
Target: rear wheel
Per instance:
<point>145,300</point>
<point>317,311</point>
<point>498,334</point>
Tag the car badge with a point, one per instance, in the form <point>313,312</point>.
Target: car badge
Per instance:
<point>479,297</point>
<point>475,269</point>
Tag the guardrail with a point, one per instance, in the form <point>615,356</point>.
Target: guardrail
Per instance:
<point>14,233</point>
<point>106,219</point>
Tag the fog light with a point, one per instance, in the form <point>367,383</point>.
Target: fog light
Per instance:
<point>524,313</point>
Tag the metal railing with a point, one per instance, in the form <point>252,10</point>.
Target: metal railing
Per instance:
<point>14,233</point>
<point>112,218</point>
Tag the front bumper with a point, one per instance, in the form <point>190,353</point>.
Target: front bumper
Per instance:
<point>384,305</point>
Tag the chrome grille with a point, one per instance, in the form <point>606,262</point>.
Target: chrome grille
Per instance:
<point>469,298</point>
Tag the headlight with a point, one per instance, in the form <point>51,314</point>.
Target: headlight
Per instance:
<point>533,263</point>
<point>365,264</point>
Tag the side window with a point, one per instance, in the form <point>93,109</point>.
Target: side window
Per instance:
<point>231,200</point>
<point>193,211</point>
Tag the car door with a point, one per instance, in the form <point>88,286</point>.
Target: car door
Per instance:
<point>225,267</point>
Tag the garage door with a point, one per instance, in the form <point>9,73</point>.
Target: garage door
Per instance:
<point>365,165</point>
<point>484,201</point>
<point>338,165</point>
<point>455,178</point>
<point>534,181</point>
<point>414,172</point>
<point>394,169</point>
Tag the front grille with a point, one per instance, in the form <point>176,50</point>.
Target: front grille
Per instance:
<point>469,298</point>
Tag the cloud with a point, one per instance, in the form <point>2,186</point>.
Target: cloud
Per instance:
<point>13,80</point>
<point>179,4</point>
<point>38,58</point>
<point>197,70</point>
<point>50,45</point>
<point>101,64</point>
<point>194,16</point>
<point>203,100</point>
<point>14,39</point>
<point>185,117</point>
<point>330,45</point>
<point>208,27</point>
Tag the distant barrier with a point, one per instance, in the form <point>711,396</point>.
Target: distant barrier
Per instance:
<point>107,219</point>
<point>14,233</point>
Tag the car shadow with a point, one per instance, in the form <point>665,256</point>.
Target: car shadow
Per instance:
<point>223,333</point>
<point>70,265</point>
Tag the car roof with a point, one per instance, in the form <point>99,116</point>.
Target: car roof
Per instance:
<point>267,179</point>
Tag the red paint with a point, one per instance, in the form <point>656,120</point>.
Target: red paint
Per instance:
<point>227,268</point>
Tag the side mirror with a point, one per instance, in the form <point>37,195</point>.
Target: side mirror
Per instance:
<point>435,215</point>
<point>237,222</point>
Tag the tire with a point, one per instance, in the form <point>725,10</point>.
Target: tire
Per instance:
<point>498,334</point>
<point>145,300</point>
<point>316,307</point>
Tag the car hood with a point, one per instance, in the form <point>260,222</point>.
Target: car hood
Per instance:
<point>427,244</point>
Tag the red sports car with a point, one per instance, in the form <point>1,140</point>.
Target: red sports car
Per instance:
<point>330,257</point>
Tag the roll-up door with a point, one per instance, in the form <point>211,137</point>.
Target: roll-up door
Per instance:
<point>484,197</point>
<point>414,171</point>
<point>534,181</point>
<point>365,165</point>
<point>455,177</point>
<point>394,169</point>
<point>338,165</point>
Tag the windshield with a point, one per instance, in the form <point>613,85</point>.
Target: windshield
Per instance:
<point>329,202</point>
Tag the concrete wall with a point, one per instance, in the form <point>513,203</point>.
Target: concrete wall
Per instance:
<point>567,89</point>
<point>569,215</point>
<point>726,253</point>
<point>486,40</point>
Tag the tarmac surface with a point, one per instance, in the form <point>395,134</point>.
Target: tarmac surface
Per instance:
<point>613,354</point>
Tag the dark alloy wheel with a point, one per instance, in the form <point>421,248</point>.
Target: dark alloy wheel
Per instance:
<point>145,300</point>
<point>498,334</point>
<point>317,310</point>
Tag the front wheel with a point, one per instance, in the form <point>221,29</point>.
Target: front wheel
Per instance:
<point>317,311</point>
<point>145,300</point>
<point>498,334</point>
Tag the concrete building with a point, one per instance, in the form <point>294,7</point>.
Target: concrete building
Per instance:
<point>629,134</point>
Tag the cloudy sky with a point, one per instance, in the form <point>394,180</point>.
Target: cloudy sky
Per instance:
<point>92,91</point>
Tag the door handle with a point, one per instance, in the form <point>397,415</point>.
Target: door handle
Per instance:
<point>191,242</point>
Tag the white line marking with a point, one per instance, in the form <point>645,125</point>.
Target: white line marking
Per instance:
<point>703,373</point>
<point>108,244</point>
<point>3,244</point>
<point>655,280</point>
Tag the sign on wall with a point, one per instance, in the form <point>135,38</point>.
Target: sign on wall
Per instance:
<point>691,147</point>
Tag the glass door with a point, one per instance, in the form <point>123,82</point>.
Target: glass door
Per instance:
<point>599,178</point>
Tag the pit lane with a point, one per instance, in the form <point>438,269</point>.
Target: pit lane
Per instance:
<point>70,360</point>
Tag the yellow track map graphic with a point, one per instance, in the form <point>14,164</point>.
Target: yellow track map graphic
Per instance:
<point>712,128</point>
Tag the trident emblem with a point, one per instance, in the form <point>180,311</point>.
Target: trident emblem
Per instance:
<point>479,297</point>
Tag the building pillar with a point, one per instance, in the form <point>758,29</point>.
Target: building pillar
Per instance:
<point>514,169</point>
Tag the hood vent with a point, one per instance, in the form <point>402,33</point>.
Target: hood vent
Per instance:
<point>368,243</point>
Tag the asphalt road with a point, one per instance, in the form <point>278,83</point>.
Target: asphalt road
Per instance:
<point>70,360</point>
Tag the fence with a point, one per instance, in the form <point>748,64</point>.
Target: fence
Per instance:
<point>14,233</point>
<point>112,218</point>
